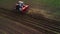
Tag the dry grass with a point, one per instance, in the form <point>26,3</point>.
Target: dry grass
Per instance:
<point>45,13</point>
<point>38,12</point>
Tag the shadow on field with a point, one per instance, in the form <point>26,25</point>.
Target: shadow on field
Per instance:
<point>9,11</point>
<point>4,9</point>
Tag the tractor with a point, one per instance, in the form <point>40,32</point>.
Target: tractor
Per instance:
<point>24,9</point>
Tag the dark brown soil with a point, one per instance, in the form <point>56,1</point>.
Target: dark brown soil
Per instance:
<point>13,22</point>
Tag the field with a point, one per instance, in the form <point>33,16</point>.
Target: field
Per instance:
<point>43,17</point>
<point>51,7</point>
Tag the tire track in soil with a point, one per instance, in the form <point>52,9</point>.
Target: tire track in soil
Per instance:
<point>27,19</point>
<point>15,28</point>
<point>19,28</point>
<point>9,30</point>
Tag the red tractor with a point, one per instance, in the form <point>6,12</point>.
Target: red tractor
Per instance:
<point>24,9</point>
